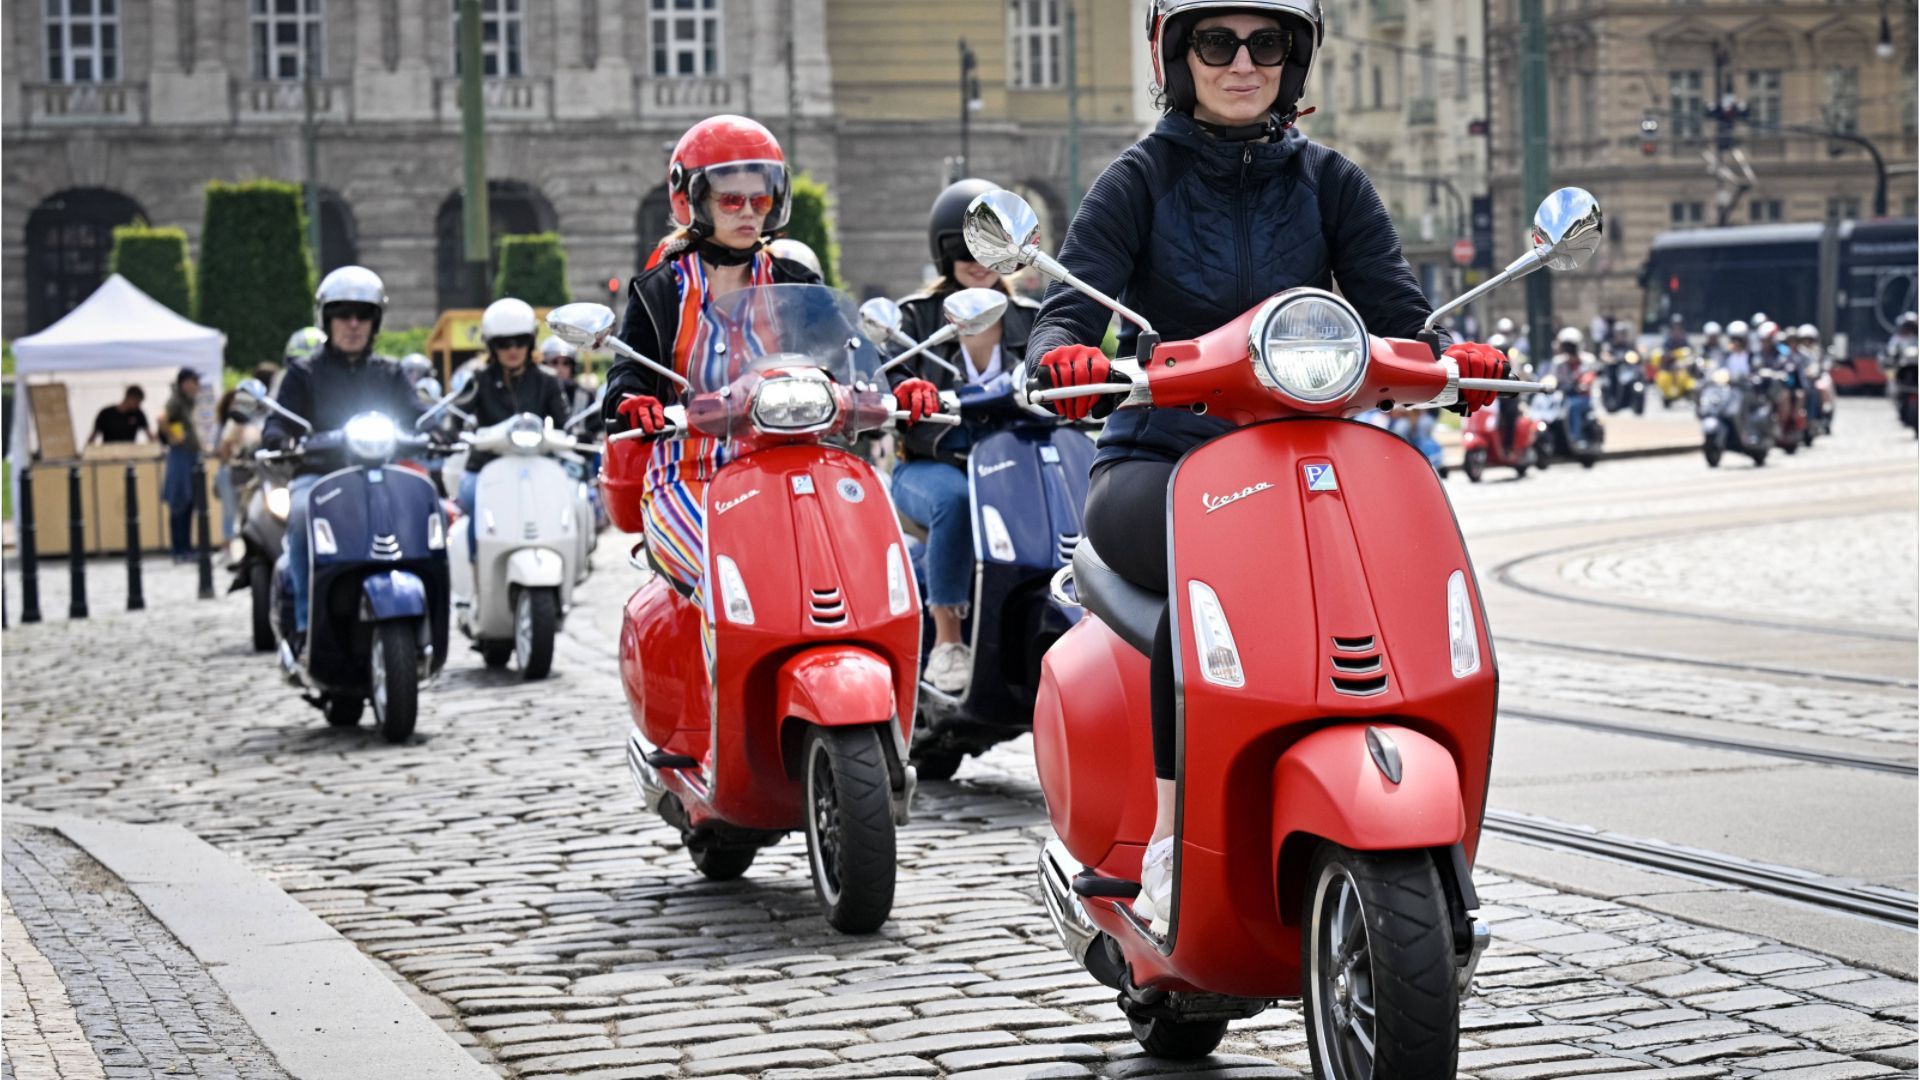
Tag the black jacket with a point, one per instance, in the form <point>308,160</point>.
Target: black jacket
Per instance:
<point>535,390</point>
<point>328,388</point>
<point>651,326</point>
<point>1191,232</point>
<point>921,315</point>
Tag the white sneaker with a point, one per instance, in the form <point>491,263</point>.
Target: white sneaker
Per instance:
<point>950,667</point>
<point>1155,902</point>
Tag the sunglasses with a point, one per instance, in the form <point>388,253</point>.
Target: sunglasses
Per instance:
<point>732,202</point>
<point>518,341</point>
<point>365,313</point>
<point>1217,47</point>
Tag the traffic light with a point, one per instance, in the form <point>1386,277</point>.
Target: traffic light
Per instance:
<point>1650,133</point>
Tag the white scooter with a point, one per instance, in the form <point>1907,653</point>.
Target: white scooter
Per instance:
<point>513,580</point>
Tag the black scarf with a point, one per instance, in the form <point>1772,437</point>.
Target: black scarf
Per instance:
<point>721,255</point>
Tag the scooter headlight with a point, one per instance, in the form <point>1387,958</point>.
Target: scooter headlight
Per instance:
<point>526,433</point>
<point>1310,346</point>
<point>279,502</point>
<point>371,436</point>
<point>793,404</point>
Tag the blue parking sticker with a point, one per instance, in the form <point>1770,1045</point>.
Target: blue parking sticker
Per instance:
<point>1321,478</point>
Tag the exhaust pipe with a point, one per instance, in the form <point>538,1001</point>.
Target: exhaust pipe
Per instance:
<point>1057,869</point>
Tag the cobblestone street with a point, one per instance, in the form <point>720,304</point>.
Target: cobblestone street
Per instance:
<point>500,867</point>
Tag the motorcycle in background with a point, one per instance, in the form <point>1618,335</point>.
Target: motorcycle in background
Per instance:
<point>1734,418</point>
<point>1555,438</point>
<point>1902,384</point>
<point>1625,383</point>
<point>264,503</point>
<point>1480,440</point>
<point>1678,377</point>
<point>1333,771</point>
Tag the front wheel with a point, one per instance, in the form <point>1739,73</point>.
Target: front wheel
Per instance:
<point>536,616</point>
<point>396,679</point>
<point>850,839</point>
<point>1474,465</point>
<point>1177,1040</point>
<point>720,863</point>
<point>1712,449</point>
<point>343,711</point>
<point>1380,997</point>
<point>260,585</point>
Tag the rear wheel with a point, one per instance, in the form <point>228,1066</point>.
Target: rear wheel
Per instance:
<point>536,616</point>
<point>1474,465</point>
<point>345,711</point>
<point>1377,964</point>
<point>1178,1040</point>
<point>850,838</point>
<point>396,679</point>
<point>260,586</point>
<point>720,863</point>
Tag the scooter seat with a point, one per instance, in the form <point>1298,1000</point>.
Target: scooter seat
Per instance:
<point>1131,611</point>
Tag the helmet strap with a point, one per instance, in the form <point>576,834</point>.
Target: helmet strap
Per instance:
<point>1267,129</point>
<point>722,255</point>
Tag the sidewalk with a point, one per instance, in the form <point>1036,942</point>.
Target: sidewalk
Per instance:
<point>139,950</point>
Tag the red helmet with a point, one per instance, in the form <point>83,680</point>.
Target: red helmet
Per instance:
<point>723,146</point>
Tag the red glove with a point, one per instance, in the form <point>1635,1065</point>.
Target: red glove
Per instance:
<point>1478,361</point>
<point>919,398</point>
<point>642,412</point>
<point>1074,365</point>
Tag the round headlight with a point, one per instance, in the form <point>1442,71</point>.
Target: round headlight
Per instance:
<point>793,404</point>
<point>371,436</point>
<point>279,502</point>
<point>1309,345</point>
<point>527,432</point>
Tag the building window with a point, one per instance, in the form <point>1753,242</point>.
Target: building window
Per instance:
<point>1428,75</point>
<point>1460,75</point>
<point>1684,214</point>
<point>1843,99</point>
<point>1035,41</point>
<point>83,41</point>
<point>69,246</point>
<point>287,35</point>
<point>1687,103</point>
<point>1843,208</point>
<point>503,38</point>
<point>1377,102</point>
<point>1763,210</point>
<point>686,37</point>
<point>1589,109</point>
<point>1359,85</point>
<point>1763,98</point>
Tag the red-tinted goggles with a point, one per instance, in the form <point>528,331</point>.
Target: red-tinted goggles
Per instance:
<point>732,202</point>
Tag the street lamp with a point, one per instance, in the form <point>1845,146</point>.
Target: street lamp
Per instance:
<point>969,104</point>
<point>1884,50</point>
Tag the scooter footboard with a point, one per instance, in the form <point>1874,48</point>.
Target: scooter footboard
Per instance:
<point>1398,792</point>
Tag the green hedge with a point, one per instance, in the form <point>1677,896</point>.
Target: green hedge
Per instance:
<point>155,260</point>
<point>533,268</point>
<point>398,343</point>
<point>256,274</point>
<point>811,225</point>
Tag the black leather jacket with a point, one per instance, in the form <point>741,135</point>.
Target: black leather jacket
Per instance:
<point>921,315</point>
<point>535,390</point>
<point>330,387</point>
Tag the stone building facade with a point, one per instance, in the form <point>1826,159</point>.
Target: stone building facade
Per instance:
<point>1612,65</point>
<point>116,109</point>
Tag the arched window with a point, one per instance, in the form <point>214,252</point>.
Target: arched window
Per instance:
<point>339,236</point>
<point>654,221</point>
<point>514,208</point>
<point>69,242</point>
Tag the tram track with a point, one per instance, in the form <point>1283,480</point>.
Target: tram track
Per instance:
<point>1724,665</point>
<point>1715,742</point>
<point>1889,906</point>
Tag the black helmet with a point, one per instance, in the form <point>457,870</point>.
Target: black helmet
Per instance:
<point>944,240</point>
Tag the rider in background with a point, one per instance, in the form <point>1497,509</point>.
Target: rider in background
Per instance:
<point>1569,362</point>
<point>508,385</point>
<point>930,484</point>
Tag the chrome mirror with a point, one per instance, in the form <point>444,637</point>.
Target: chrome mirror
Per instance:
<point>1002,232</point>
<point>880,320</point>
<point>427,390</point>
<point>975,311</point>
<point>249,398</point>
<point>1567,228</point>
<point>583,326</point>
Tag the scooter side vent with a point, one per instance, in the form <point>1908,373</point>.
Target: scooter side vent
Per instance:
<point>531,530</point>
<point>827,607</point>
<point>1358,670</point>
<point>386,547</point>
<point>1353,644</point>
<point>1068,542</point>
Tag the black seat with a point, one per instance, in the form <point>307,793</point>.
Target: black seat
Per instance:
<point>1131,611</point>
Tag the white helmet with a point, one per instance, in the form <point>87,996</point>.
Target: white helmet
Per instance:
<point>794,250</point>
<point>350,285</point>
<point>1499,341</point>
<point>1504,326</point>
<point>1736,328</point>
<point>1807,332</point>
<point>1712,329</point>
<point>556,348</point>
<point>1569,336</point>
<point>507,318</point>
<point>1169,23</point>
<point>1769,329</point>
<point>1758,318</point>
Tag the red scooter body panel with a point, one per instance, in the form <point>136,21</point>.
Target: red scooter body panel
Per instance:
<point>1482,431</point>
<point>836,685</point>
<point>1094,758</point>
<point>666,683</point>
<point>1334,791</point>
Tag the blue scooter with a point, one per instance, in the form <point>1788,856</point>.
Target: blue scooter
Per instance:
<point>378,602</point>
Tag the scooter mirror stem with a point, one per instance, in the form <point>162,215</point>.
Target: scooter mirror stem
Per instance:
<point>628,351</point>
<point>286,412</point>
<point>1052,268</point>
<point>1518,268</point>
<point>938,337</point>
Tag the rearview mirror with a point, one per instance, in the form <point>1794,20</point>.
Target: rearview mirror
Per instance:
<point>974,311</point>
<point>249,398</point>
<point>880,320</point>
<point>583,325</point>
<point>1567,228</point>
<point>1002,232</point>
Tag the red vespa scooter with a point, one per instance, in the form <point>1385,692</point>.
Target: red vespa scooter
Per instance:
<point>802,717</point>
<point>1335,734</point>
<point>1482,447</point>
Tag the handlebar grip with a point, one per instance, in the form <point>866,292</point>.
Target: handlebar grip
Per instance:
<point>950,419</point>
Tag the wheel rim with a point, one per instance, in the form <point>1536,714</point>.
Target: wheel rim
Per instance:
<point>523,628</point>
<point>379,676</point>
<point>1344,1009</point>
<point>823,822</point>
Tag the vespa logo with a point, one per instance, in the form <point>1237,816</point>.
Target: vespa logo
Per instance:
<point>985,471</point>
<point>721,508</point>
<point>1216,502</point>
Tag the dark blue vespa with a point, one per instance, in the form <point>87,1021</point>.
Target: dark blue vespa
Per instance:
<point>1027,478</point>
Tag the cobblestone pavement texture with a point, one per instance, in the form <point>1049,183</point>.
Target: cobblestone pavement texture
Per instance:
<point>501,866</point>
<point>110,992</point>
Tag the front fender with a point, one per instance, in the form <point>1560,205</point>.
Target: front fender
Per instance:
<point>836,686</point>
<point>536,568</point>
<point>1328,785</point>
<point>395,594</point>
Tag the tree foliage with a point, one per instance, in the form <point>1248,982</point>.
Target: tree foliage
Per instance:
<point>156,261</point>
<point>812,225</point>
<point>256,274</point>
<point>533,268</point>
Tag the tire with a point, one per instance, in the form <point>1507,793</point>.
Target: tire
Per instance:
<point>395,664</point>
<point>1759,457</point>
<point>260,585</point>
<point>937,764</point>
<point>1793,447</point>
<point>1393,913</point>
<point>496,654</point>
<point>1178,1040</point>
<point>536,617</point>
<point>1519,472</point>
<point>1713,450</point>
<point>722,864</point>
<point>850,838</point>
<point>1474,465</point>
<point>344,712</point>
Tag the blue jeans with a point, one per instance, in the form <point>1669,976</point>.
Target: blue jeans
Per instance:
<point>1578,407</point>
<point>469,492</point>
<point>935,495</point>
<point>299,560</point>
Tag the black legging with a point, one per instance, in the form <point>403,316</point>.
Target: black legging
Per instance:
<point>1127,523</point>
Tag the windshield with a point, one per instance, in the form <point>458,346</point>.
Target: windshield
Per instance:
<point>769,326</point>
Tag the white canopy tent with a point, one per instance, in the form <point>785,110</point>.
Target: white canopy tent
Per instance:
<point>117,337</point>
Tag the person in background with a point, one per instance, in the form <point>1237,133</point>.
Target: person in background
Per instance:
<point>238,439</point>
<point>183,453</point>
<point>123,422</point>
<point>563,361</point>
<point>1676,333</point>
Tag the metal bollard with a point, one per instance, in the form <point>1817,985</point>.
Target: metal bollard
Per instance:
<point>29,553</point>
<point>136,597</point>
<point>76,547</point>
<point>206,540</point>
